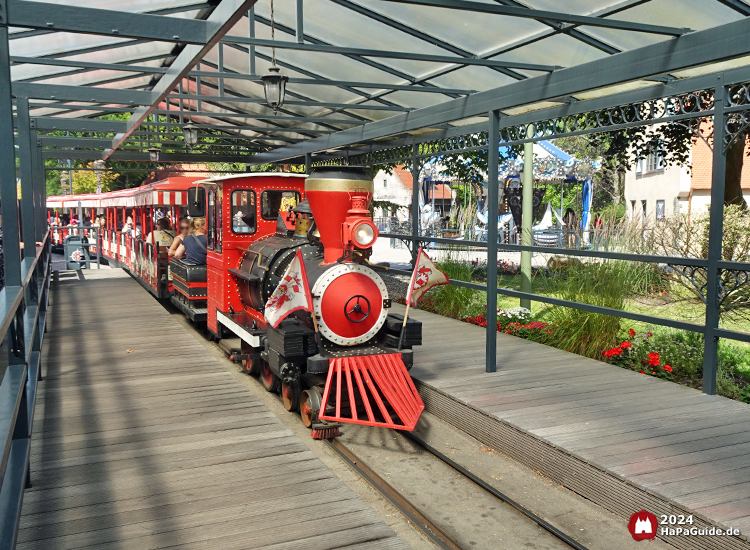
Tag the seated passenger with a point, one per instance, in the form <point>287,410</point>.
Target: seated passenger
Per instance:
<point>175,247</point>
<point>194,246</point>
<point>163,235</point>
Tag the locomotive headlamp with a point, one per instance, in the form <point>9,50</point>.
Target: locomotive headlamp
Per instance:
<point>364,234</point>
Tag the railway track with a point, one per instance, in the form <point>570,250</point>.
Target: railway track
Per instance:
<point>430,530</point>
<point>412,512</point>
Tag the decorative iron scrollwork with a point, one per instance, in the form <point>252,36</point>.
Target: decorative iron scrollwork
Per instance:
<point>689,272</point>
<point>730,281</point>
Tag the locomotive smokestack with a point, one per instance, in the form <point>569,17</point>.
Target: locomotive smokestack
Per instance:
<point>332,193</point>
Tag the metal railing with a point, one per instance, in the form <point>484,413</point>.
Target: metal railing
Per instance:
<point>23,310</point>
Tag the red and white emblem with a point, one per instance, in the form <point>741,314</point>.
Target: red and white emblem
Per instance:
<point>426,275</point>
<point>291,295</point>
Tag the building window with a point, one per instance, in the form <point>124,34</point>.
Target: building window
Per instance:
<point>643,207</point>
<point>385,183</point>
<point>654,162</point>
<point>632,209</point>
<point>660,210</point>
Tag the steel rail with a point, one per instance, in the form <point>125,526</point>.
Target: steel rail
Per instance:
<point>425,526</point>
<point>496,493</point>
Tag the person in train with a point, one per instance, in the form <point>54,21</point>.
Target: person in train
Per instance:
<point>193,248</point>
<point>163,235</point>
<point>184,230</point>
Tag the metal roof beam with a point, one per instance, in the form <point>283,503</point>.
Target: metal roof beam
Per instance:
<point>18,60</point>
<point>737,5</point>
<point>289,45</point>
<point>83,93</point>
<point>141,157</point>
<point>311,103</point>
<point>702,47</point>
<point>78,19</point>
<point>529,13</point>
<point>359,59</point>
<point>350,83</point>
<point>416,33</point>
<point>223,18</point>
<point>259,116</point>
<point>161,11</point>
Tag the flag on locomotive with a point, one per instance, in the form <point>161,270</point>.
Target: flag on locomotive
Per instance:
<point>292,293</point>
<point>426,275</point>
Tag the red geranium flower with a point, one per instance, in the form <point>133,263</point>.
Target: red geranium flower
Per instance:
<point>642,371</point>
<point>649,334</point>
<point>667,368</point>
<point>625,345</point>
<point>631,332</point>
<point>654,362</point>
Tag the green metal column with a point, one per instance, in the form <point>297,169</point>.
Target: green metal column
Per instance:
<point>25,153</point>
<point>9,209</point>
<point>308,163</point>
<point>415,168</point>
<point>493,160</point>
<point>715,238</point>
<point>526,217</point>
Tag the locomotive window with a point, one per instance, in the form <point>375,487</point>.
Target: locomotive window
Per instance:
<point>243,212</point>
<point>219,218</point>
<point>271,202</point>
<point>210,225</point>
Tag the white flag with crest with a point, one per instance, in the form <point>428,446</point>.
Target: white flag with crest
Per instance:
<point>426,275</point>
<point>291,295</point>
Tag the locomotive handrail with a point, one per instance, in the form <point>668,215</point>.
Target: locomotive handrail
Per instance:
<point>24,315</point>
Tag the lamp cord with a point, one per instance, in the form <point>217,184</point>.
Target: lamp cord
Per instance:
<point>273,35</point>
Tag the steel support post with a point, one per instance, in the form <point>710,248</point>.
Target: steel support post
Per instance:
<point>493,161</point>
<point>715,237</point>
<point>40,185</point>
<point>25,153</point>
<point>308,163</point>
<point>300,22</point>
<point>251,34</point>
<point>414,203</point>
<point>9,208</point>
<point>527,213</point>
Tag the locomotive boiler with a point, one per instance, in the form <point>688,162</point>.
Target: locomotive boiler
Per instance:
<point>341,366</point>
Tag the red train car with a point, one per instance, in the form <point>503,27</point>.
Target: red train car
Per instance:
<point>338,363</point>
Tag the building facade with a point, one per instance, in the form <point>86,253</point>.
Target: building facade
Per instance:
<point>655,191</point>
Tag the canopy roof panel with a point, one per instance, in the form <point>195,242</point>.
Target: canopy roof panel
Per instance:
<point>350,62</point>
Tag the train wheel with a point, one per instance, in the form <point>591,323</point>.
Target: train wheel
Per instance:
<point>310,406</point>
<point>268,379</point>
<point>290,393</point>
<point>252,366</point>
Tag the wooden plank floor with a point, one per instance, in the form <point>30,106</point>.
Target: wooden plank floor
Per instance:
<point>143,440</point>
<point>675,441</point>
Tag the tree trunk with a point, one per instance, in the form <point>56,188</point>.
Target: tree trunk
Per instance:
<point>733,174</point>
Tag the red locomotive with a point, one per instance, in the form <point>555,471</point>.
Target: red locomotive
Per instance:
<point>341,366</point>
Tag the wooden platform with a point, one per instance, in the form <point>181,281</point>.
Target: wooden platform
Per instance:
<point>624,440</point>
<point>143,440</point>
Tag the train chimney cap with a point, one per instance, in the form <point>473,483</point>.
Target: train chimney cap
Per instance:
<point>302,208</point>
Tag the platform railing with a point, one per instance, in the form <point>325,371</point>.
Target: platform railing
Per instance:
<point>23,310</point>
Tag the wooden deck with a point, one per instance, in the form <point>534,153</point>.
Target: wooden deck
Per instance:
<point>143,440</point>
<point>599,429</point>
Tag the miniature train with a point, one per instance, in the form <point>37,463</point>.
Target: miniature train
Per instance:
<point>348,370</point>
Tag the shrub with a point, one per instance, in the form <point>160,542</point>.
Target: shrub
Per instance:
<point>580,331</point>
<point>457,301</point>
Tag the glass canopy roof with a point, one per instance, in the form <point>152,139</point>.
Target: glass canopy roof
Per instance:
<point>331,91</point>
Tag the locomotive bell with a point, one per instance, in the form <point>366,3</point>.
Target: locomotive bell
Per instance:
<point>339,197</point>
